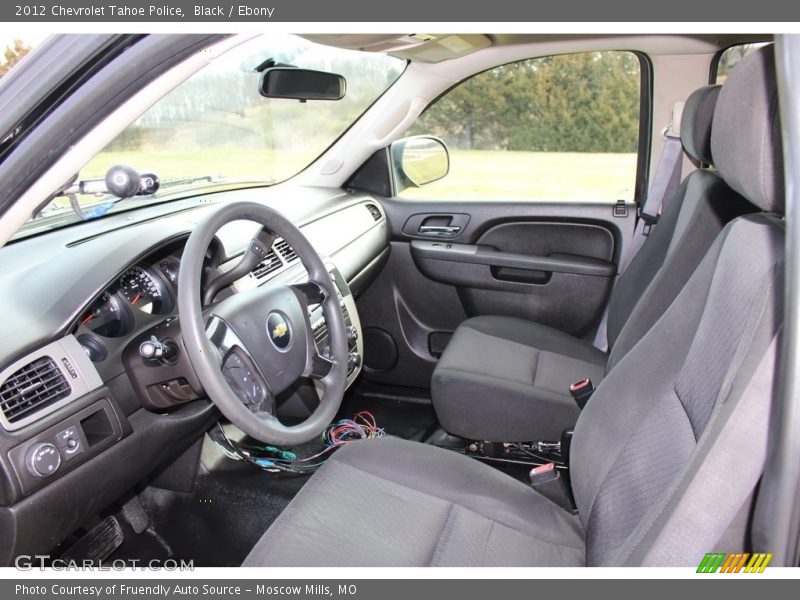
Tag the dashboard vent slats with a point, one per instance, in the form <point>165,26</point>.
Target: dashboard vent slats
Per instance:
<point>270,264</point>
<point>320,334</point>
<point>285,250</point>
<point>32,388</point>
<point>280,254</point>
<point>374,211</point>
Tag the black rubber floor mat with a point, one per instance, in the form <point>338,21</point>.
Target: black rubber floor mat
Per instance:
<point>230,508</point>
<point>399,412</point>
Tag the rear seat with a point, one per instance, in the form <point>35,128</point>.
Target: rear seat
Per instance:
<point>507,379</point>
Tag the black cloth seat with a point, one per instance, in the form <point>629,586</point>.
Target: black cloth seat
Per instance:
<point>506,379</point>
<point>514,376</point>
<point>396,503</point>
<point>647,451</point>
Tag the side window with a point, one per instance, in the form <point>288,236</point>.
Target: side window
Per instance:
<point>728,59</point>
<point>556,128</point>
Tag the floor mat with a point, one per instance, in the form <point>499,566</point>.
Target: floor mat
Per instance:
<point>401,412</point>
<point>230,507</point>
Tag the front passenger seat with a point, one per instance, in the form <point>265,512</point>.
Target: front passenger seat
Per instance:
<point>506,379</point>
<point>661,464</point>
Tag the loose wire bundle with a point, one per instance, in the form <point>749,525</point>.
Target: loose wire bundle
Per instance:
<point>360,427</point>
<point>273,459</point>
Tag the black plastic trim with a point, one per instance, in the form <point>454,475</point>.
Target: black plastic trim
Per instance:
<point>644,151</point>
<point>33,93</point>
<point>485,255</point>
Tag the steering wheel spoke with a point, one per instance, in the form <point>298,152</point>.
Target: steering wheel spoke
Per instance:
<point>319,366</point>
<point>310,292</point>
<point>240,370</point>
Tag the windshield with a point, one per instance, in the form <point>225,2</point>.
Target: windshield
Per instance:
<point>216,130</point>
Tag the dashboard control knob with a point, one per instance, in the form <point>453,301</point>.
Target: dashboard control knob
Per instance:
<point>352,334</point>
<point>155,349</point>
<point>43,460</point>
<point>353,362</point>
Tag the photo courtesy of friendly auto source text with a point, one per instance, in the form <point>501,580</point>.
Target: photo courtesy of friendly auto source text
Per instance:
<point>301,297</point>
<point>185,590</point>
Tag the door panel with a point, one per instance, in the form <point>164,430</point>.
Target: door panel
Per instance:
<point>527,222</point>
<point>553,263</point>
<point>555,273</point>
<point>401,312</point>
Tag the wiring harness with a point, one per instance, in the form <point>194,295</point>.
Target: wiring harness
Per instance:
<point>273,459</point>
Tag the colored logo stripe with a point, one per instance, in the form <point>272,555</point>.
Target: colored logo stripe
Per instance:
<point>711,562</point>
<point>758,563</point>
<point>714,562</point>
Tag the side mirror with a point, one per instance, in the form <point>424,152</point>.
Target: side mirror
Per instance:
<point>418,161</point>
<point>301,84</point>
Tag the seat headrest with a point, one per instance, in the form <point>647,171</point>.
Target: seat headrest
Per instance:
<point>698,113</point>
<point>745,135</point>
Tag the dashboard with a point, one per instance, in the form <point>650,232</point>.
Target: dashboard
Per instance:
<point>85,413</point>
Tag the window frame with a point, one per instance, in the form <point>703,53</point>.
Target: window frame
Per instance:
<point>644,148</point>
<point>713,69</point>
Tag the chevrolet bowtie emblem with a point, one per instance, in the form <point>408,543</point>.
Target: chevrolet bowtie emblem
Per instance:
<point>278,331</point>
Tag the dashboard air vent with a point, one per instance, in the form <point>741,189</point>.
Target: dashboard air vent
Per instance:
<point>320,334</point>
<point>285,250</point>
<point>269,265</point>
<point>32,388</point>
<point>374,211</point>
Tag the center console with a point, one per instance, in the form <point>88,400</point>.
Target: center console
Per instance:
<point>355,345</point>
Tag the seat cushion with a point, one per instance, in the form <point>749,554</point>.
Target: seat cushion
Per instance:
<point>390,502</point>
<point>506,379</point>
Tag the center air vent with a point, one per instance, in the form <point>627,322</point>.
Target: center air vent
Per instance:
<point>32,388</point>
<point>270,264</point>
<point>374,211</point>
<point>285,250</point>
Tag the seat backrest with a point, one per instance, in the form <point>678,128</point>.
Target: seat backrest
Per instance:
<point>646,429</point>
<point>693,218</point>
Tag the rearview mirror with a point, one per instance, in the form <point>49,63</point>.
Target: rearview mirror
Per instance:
<point>301,84</point>
<point>418,161</point>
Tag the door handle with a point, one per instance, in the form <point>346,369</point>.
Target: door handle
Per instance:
<point>440,230</point>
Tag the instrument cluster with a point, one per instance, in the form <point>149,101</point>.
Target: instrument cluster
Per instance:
<point>146,288</point>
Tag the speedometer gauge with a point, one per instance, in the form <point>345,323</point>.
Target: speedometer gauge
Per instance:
<point>145,290</point>
<point>108,316</point>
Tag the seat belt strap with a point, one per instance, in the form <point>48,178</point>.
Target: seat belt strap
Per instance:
<point>666,182</point>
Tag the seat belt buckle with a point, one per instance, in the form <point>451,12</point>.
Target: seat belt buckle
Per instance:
<point>581,391</point>
<point>543,473</point>
<point>547,480</point>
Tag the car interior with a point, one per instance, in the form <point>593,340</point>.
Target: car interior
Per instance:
<point>481,300</point>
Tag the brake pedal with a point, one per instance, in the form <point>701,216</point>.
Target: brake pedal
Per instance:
<point>135,514</point>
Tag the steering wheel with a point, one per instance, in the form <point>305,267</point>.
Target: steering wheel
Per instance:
<point>250,347</point>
